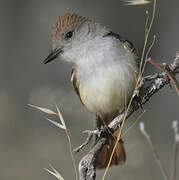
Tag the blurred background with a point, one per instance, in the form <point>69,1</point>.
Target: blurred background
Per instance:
<point>28,143</point>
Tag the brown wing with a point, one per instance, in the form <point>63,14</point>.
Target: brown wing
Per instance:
<point>75,82</point>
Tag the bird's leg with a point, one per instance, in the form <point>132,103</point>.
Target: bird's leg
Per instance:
<point>105,131</point>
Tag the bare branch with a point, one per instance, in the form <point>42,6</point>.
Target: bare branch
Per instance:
<point>169,72</point>
<point>87,141</point>
<point>158,81</point>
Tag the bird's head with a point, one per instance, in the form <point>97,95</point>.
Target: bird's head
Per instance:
<point>70,34</point>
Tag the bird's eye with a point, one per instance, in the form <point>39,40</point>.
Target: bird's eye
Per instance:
<point>68,35</point>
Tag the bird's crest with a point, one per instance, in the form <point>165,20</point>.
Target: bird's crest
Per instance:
<point>64,22</point>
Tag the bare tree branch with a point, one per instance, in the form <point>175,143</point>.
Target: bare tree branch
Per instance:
<point>87,164</point>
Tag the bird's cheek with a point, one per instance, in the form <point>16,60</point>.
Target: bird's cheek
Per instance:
<point>66,55</point>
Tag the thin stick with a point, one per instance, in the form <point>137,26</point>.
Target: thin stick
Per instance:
<point>135,122</point>
<point>174,161</point>
<point>71,153</point>
<point>138,80</point>
<point>157,159</point>
<point>88,162</point>
<point>88,139</point>
<point>147,35</point>
<point>146,22</point>
<point>175,150</point>
<point>69,140</point>
<point>154,152</point>
<point>118,138</point>
<point>151,46</point>
<point>148,51</point>
<point>167,70</point>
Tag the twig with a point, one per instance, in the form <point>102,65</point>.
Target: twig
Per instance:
<point>69,141</point>
<point>61,125</point>
<point>154,152</point>
<point>148,51</point>
<point>87,169</point>
<point>175,149</point>
<point>158,82</point>
<point>54,172</point>
<point>88,139</point>
<point>169,72</point>
<point>135,122</point>
<point>147,33</point>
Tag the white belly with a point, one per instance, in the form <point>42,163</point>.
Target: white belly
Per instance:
<point>106,93</point>
<point>106,75</point>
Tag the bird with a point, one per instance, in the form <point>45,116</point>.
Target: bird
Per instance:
<point>105,67</point>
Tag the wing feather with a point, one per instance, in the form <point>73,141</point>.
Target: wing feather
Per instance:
<point>75,82</point>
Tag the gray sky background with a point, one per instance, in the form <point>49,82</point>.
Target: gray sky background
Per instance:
<point>28,143</point>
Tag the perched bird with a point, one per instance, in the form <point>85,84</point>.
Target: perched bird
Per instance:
<point>104,73</point>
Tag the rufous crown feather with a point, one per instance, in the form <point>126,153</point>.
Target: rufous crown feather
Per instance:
<point>64,22</point>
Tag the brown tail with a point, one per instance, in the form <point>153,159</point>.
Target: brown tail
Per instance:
<point>119,156</point>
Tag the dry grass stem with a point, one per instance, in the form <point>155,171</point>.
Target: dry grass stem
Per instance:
<point>55,173</point>
<point>136,2</point>
<point>55,123</point>
<point>137,83</point>
<point>71,153</point>
<point>154,152</point>
<point>61,117</point>
<point>135,122</point>
<point>45,110</point>
<point>175,150</point>
<point>147,33</point>
<point>61,126</point>
<point>150,48</point>
<point>148,51</point>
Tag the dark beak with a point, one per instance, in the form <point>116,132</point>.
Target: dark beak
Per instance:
<point>54,54</point>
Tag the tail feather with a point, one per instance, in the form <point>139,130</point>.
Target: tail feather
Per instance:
<point>119,156</point>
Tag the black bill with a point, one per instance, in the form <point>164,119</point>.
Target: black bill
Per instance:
<point>54,54</point>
